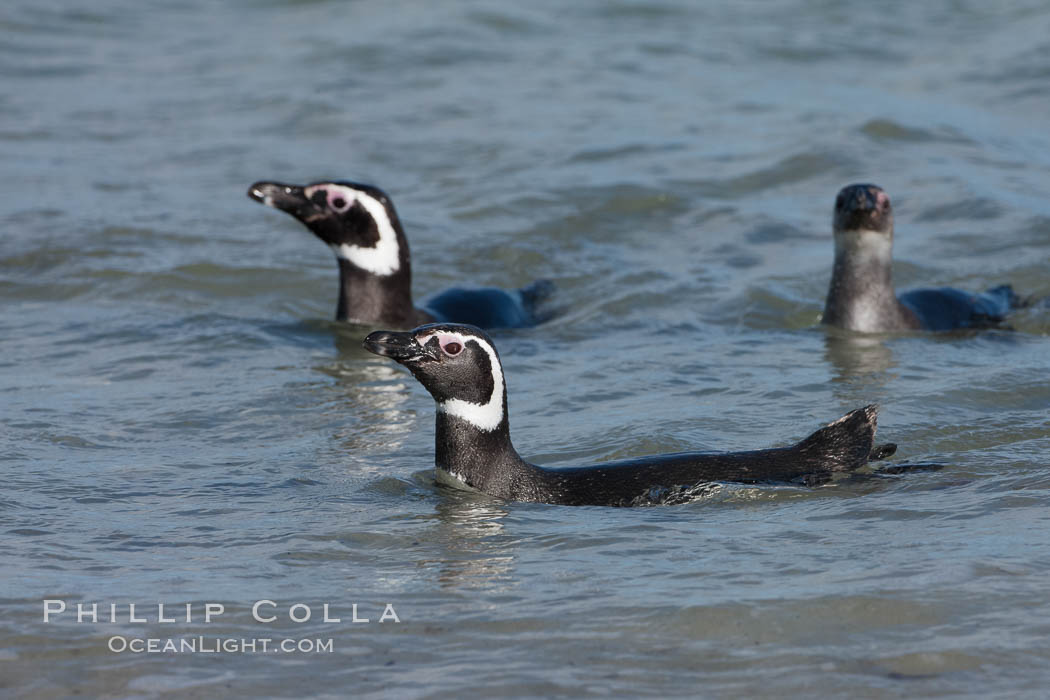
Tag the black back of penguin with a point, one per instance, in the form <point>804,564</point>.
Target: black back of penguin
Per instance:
<point>360,225</point>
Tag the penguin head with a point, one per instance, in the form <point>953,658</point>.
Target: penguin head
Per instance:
<point>358,222</point>
<point>863,207</point>
<point>458,364</point>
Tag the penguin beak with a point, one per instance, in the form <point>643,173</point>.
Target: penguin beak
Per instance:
<point>863,201</point>
<point>287,198</point>
<point>401,347</point>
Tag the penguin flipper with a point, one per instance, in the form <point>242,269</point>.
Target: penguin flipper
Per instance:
<point>846,444</point>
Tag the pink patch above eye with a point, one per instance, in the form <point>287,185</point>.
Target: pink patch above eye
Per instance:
<point>450,344</point>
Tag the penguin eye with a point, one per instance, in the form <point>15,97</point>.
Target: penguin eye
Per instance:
<point>452,349</point>
<point>338,200</point>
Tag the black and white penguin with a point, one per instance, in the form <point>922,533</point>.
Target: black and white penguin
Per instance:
<point>359,223</point>
<point>861,296</point>
<point>461,369</point>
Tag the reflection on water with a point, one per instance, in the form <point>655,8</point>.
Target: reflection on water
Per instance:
<point>470,526</point>
<point>859,358</point>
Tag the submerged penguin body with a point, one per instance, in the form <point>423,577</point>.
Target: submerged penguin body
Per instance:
<point>842,446</point>
<point>489,307</point>
<point>946,308</point>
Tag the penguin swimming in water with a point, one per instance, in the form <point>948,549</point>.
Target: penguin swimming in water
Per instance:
<point>861,296</point>
<point>360,225</point>
<point>461,369</point>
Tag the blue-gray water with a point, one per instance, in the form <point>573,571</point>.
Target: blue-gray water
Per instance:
<point>180,423</point>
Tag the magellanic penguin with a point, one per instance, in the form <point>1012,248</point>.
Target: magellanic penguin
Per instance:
<point>861,296</point>
<point>359,223</point>
<point>461,369</point>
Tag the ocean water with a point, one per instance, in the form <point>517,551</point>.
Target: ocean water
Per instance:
<point>182,424</point>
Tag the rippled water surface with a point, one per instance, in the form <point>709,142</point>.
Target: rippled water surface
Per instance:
<point>180,422</point>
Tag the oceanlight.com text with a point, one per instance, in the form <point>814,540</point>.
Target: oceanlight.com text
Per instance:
<point>217,645</point>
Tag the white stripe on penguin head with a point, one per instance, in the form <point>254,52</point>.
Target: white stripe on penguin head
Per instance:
<point>381,259</point>
<point>483,416</point>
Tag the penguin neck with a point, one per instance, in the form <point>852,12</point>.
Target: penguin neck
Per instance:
<point>861,295</point>
<point>482,459</point>
<point>366,297</point>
